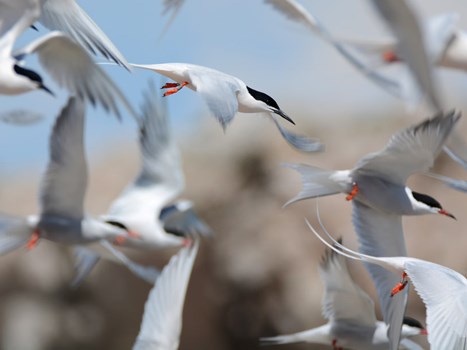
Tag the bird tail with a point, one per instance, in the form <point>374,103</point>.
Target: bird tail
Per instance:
<point>14,233</point>
<point>317,182</point>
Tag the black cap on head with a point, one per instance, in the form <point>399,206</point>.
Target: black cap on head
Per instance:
<point>412,322</point>
<point>31,75</point>
<point>117,224</point>
<point>430,201</point>
<point>261,96</point>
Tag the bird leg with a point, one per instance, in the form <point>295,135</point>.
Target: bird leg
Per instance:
<point>32,243</point>
<point>170,85</point>
<point>176,89</point>
<point>390,56</point>
<point>400,285</point>
<point>352,193</point>
<point>334,345</point>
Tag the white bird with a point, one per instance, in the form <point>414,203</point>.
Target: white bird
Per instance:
<point>226,95</point>
<point>68,17</point>
<point>162,319</point>
<point>144,206</point>
<point>350,312</point>
<point>67,62</point>
<point>443,291</point>
<point>62,218</point>
<point>377,183</point>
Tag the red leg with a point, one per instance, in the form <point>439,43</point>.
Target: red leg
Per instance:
<point>170,85</point>
<point>177,89</point>
<point>352,193</point>
<point>33,240</point>
<point>390,57</point>
<point>400,285</point>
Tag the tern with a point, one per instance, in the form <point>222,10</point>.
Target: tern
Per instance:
<point>62,218</point>
<point>442,290</point>
<point>162,319</point>
<point>66,61</point>
<point>226,95</point>
<point>377,185</point>
<point>350,312</point>
<point>145,209</point>
<point>68,17</point>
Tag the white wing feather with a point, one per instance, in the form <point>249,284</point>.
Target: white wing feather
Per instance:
<point>444,293</point>
<point>63,185</point>
<point>162,320</point>
<point>161,178</point>
<point>67,16</point>
<point>74,70</point>
<point>412,150</point>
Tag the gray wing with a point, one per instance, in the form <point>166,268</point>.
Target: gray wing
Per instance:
<point>174,7</point>
<point>412,150</point>
<point>440,31</point>
<point>74,69</point>
<point>381,235</point>
<point>403,22</point>
<point>161,177</point>
<point>15,17</point>
<point>162,319</point>
<point>219,91</point>
<point>181,220</point>
<point>63,185</point>
<point>458,185</point>
<point>300,142</point>
<point>444,293</point>
<point>67,16</point>
<point>344,300</point>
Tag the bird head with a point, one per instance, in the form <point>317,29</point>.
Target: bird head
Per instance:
<point>411,326</point>
<point>430,205</point>
<point>270,103</point>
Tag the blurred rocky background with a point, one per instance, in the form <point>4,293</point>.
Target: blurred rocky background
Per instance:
<point>258,276</point>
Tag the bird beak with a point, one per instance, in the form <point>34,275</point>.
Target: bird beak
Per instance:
<point>283,115</point>
<point>34,27</point>
<point>424,332</point>
<point>444,212</point>
<point>45,88</point>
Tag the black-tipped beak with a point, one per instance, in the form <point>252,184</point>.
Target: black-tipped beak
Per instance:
<point>444,212</point>
<point>34,27</point>
<point>283,115</point>
<point>45,88</point>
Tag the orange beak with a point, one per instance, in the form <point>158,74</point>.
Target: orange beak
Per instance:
<point>424,332</point>
<point>444,212</point>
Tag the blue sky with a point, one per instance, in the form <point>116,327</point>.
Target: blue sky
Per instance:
<point>245,38</point>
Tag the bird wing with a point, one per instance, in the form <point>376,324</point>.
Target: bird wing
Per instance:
<point>15,17</point>
<point>296,12</point>
<point>63,185</point>
<point>440,31</point>
<point>444,293</point>
<point>407,344</point>
<point>343,299</point>
<point>219,91</point>
<point>161,177</point>
<point>412,150</point>
<point>75,70</point>
<point>162,319</point>
<point>180,219</point>
<point>173,6</point>
<point>67,16</point>
<point>381,235</point>
<point>403,22</point>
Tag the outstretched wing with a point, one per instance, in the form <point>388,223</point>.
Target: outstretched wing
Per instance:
<point>344,300</point>
<point>162,319</point>
<point>67,16</point>
<point>412,150</point>
<point>63,185</point>
<point>444,293</point>
<point>161,178</point>
<point>181,220</point>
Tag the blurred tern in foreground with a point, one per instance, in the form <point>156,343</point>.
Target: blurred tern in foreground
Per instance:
<point>67,16</point>
<point>60,56</point>
<point>62,218</point>
<point>443,291</point>
<point>226,95</point>
<point>162,319</point>
<point>145,209</point>
<point>377,185</point>
<point>351,314</point>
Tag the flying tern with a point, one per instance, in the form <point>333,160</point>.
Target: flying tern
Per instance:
<point>62,218</point>
<point>67,62</point>
<point>377,185</point>
<point>162,319</point>
<point>226,95</point>
<point>350,312</point>
<point>443,291</point>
